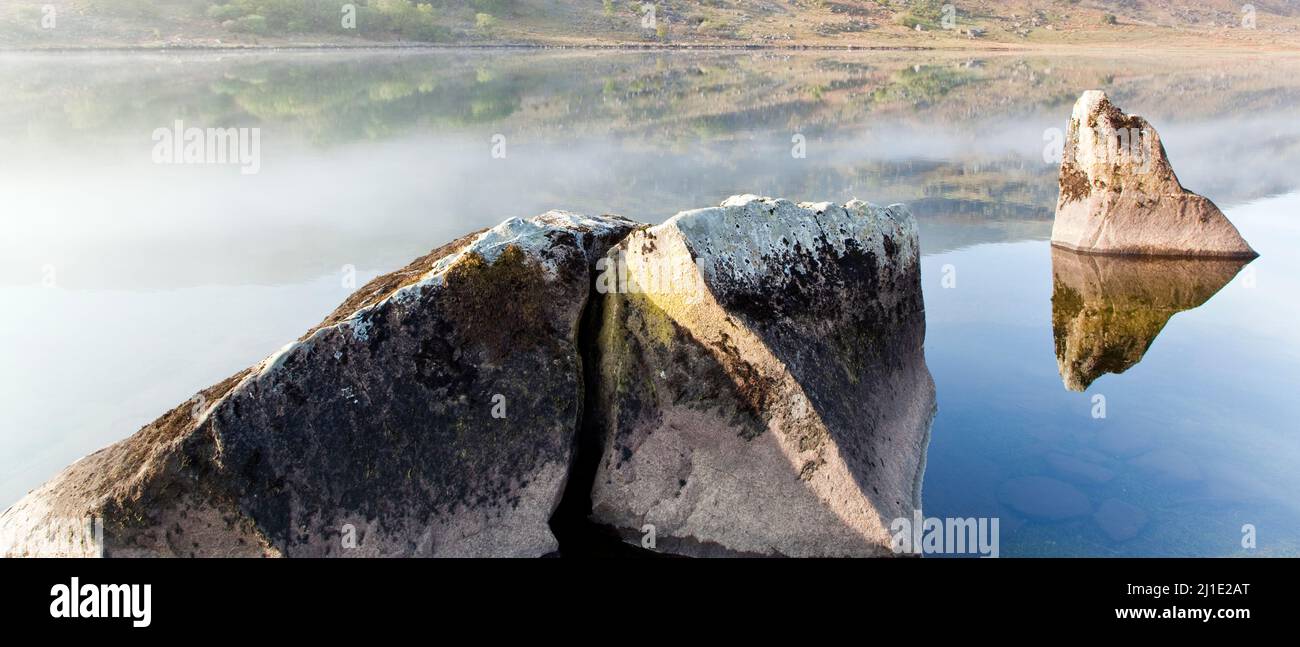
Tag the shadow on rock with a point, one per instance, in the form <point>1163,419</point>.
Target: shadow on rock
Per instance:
<point>765,391</point>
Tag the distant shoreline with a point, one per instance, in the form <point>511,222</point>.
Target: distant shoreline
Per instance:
<point>989,47</point>
<point>493,46</point>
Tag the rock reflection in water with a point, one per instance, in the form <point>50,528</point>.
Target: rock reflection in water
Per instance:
<point>1107,310</point>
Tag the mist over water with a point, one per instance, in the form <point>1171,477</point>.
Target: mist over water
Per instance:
<point>131,285</point>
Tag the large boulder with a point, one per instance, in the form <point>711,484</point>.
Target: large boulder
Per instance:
<point>1107,310</point>
<point>763,387</point>
<point>1119,195</point>
<point>749,380</point>
<point>434,413</point>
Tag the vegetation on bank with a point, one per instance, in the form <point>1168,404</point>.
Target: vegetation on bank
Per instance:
<point>254,21</point>
<point>373,19</point>
<point>926,23</point>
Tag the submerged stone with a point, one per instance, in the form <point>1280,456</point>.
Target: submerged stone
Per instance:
<point>763,384</point>
<point>1075,469</point>
<point>1120,521</point>
<point>1170,466</point>
<point>1044,498</point>
<point>1119,195</point>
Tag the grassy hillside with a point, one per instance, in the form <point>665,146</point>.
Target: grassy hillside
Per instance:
<point>864,23</point>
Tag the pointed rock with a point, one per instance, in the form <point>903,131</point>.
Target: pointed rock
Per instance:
<point>433,413</point>
<point>1119,195</point>
<point>763,383</point>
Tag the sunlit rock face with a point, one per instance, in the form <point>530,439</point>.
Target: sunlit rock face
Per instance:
<point>434,413</point>
<point>763,387</point>
<point>1119,195</point>
<point>751,380</point>
<point>1107,310</point>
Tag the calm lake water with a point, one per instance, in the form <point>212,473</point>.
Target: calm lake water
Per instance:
<point>128,286</point>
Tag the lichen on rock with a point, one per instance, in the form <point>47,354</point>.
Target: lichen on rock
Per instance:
<point>374,434</point>
<point>1119,194</point>
<point>773,399</point>
<point>751,376</point>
